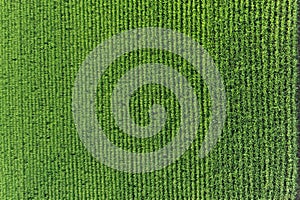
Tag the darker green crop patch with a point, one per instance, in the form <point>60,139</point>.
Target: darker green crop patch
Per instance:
<point>145,97</point>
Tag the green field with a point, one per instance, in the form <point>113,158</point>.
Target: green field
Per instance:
<point>253,44</point>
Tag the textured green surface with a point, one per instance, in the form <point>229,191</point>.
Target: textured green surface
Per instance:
<point>43,44</point>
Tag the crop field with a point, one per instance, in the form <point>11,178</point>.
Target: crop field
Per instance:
<point>49,148</point>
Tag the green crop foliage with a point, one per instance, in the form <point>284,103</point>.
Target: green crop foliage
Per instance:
<point>253,44</point>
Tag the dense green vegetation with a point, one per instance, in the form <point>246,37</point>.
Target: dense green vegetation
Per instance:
<point>42,46</point>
